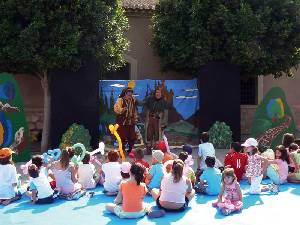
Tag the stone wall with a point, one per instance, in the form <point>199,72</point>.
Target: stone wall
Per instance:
<point>34,118</point>
<point>247,113</point>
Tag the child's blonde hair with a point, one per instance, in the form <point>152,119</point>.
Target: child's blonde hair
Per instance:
<point>228,172</point>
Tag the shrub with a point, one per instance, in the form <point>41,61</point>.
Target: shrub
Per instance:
<point>220,135</point>
<point>76,134</point>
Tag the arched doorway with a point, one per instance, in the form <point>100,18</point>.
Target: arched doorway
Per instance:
<point>127,72</point>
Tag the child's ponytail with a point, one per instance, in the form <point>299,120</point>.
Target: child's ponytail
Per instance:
<point>66,154</point>
<point>137,171</point>
<point>177,170</point>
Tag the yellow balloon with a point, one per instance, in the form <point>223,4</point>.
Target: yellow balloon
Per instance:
<point>113,131</point>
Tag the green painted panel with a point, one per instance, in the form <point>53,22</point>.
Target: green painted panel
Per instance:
<point>14,130</point>
<point>272,119</point>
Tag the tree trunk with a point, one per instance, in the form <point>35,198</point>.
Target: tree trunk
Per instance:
<point>47,110</point>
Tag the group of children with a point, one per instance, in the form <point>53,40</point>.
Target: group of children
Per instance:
<point>170,179</point>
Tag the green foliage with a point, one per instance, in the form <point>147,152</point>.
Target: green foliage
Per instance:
<point>76,134</point>
<point>261,37</point>
<point>220,135</point>
<point>37,36</point>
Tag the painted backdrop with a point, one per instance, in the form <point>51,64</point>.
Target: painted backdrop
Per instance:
<point>272,119</point>
<point>182,95</point>
<point>14,131</point>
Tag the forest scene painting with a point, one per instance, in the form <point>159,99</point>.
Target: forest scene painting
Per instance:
<point>182,97</point>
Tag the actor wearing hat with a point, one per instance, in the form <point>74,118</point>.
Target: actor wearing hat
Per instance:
<point>125,108</point>
<point>8,177</point>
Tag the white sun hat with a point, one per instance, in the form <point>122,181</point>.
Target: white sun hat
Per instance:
<point>250,142</point>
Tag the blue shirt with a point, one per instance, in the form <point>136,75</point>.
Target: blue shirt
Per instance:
<point>156,172</point>
<point>213,176</point>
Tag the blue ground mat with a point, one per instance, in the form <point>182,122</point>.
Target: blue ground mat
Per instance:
<point>262,209</point>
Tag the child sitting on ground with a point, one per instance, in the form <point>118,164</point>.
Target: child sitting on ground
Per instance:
<point>131,196</point>
<point>205,149</point>
<point>236,159</point>
<point>139,158</point>
<point>161,145</point>
<point>38,161</point>
<point>293,147</point>
<point>125,169</point>
<point>254,170</point>
<point>295,176</point>
<point>187,170</point>
<point>287,140</point>
<point>156,171</point>
<point>66,176</point>
<point>189,150</point>
<point>40,190</point>
<point>86,173</point>
<point>176,190</point>
<point>8,178</point>
<point>279,176</point>
<point>210,180</point>
<point>112,173</point>
<point>230,197</point>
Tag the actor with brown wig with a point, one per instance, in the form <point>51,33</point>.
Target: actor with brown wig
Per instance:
<point>156,109</point>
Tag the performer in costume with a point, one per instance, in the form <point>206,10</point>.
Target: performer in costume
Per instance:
<point>156,109</point>
<point>125,108</point>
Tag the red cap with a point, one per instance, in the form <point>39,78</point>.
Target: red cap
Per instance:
<point>161,145</point>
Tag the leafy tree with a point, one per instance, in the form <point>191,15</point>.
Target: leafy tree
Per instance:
<point>38,36</point>
<point>259,36</point>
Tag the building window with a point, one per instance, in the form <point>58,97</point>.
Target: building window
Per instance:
<point>249,91</point>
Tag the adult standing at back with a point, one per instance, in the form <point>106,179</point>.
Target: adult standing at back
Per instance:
<point>156,109</point>
<point>125,108</point>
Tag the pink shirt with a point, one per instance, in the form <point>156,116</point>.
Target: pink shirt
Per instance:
<point>283,169</point>
<point>231,192</point>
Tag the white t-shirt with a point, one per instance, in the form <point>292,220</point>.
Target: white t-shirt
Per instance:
<point>112,173</point>
<point>173,192</point>
<point>8,177</point>
<point>86,176</point>
<point>205,149</point>
<point>42,185</point>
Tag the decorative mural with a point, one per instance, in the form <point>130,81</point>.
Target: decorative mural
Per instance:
<point>272,119</point>
<point>14,131</point>
<point>181,95</point>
